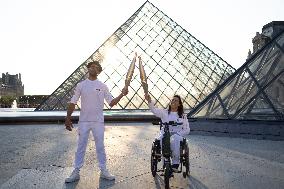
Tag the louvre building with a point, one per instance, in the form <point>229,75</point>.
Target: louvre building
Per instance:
<point>176,62</point>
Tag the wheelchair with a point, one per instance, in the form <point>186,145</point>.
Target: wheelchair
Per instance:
<point>163,154</point>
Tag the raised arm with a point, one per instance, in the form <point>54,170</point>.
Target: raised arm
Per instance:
<point>117,99</point>
<point>161,113</point>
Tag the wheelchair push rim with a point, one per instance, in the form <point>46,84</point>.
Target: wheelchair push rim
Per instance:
<point>186,162</point>
<point>154,161</point>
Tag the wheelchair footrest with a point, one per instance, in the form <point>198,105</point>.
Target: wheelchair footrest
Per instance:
<point>172,175</point>
<point>175,171</point>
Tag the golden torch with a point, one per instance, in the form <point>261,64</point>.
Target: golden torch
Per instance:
<point>143,76</point>
<point>130,71</point>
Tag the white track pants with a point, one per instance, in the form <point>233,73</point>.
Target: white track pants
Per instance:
<point>83,135</point>
<point>175,146</point>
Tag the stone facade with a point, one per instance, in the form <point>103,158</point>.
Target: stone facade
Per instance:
<point>259,41</point>
<point>269,31</point>
<point>11,85</point>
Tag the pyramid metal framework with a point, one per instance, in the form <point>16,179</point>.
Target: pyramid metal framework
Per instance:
<point>255,91</point>
<point>175,63</point>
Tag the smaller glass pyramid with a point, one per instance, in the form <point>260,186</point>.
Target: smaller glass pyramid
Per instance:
<point>255,91</point>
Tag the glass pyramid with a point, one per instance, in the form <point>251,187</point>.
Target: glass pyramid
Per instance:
<point>175,63</point>
<point>255,91</point>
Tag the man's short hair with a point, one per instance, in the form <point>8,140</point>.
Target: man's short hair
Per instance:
<point>96,63</point>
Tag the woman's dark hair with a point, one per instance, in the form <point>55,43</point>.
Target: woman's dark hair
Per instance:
<point>180,107</point>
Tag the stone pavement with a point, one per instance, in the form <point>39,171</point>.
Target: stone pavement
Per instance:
<point>41,156</point>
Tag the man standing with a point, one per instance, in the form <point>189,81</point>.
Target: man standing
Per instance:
<point>93,93</point>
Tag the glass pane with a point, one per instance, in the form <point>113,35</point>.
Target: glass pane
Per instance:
<point>276,94</point>
<point>202,111</point>
<point>280,40</point>
<point>258,109</point>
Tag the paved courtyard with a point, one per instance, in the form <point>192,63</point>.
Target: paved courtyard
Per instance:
<point>41,156</point>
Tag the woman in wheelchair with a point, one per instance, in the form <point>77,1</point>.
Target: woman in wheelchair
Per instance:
<point>178,130</point>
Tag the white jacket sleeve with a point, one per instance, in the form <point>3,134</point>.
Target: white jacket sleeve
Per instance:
<point>107,95</point>
<point>185,127</point>
<point>161,113</point>
<point>77,94</point>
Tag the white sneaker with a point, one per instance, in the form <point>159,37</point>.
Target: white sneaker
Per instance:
<point>106,175</point>
<point>75,175</point>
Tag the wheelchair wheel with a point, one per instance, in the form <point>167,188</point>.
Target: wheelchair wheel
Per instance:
<point>186,161</point>
<point>154,161</point>
<point>167,175</point>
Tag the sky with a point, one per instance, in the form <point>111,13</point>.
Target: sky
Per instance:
<point>46,40</point>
